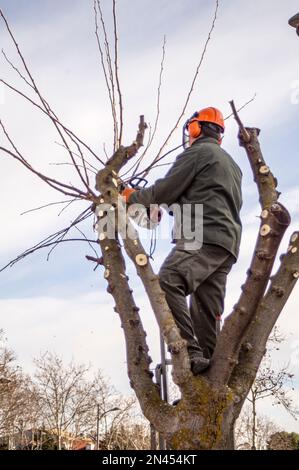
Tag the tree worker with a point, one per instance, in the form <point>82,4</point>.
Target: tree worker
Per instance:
<point>203,174</point>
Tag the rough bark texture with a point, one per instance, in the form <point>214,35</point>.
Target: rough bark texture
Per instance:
<point>210,404</point>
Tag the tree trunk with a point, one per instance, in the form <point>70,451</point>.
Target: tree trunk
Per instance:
<point>59,441</point>
<point>210,404</point>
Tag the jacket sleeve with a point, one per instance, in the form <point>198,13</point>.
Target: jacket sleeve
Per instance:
<point>167,190</point>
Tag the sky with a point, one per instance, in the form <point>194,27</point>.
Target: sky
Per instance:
<point>61,305</point>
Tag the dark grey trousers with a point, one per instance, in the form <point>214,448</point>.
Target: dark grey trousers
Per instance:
<point>201,274</point>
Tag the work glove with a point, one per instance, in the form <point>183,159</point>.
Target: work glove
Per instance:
<point>126,193</point>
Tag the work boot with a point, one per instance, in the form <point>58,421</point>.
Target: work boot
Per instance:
<point>199,364</point>
<point>176,402</point>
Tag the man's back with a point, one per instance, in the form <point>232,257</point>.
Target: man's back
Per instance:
<point>217,186</point>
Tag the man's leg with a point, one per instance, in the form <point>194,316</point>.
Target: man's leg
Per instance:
<point>174,282</point>
<point>180,275</point>
<point>206,303</point>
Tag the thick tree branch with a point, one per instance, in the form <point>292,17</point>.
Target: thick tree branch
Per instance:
<point>65,128</point>
<point>55,184</point>
<point>137,350</point>
<point>53,240</point>
<point>274,221</point>
<point>153,133</point>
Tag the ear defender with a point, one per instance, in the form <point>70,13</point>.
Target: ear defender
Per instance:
<point>194,128</point>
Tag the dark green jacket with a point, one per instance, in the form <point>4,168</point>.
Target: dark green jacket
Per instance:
<point>203,174</point>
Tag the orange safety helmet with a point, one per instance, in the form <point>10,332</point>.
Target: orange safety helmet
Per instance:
<point>209,115</point>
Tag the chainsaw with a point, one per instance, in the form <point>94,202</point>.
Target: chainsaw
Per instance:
<point>144,217</point>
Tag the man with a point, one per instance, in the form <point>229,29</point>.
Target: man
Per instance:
<point>203,174</point>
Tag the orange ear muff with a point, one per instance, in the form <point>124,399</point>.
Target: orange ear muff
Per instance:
<point>194,128</point>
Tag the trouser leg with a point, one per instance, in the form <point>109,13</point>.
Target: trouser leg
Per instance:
<point>180,275</point>
<point>175,293</point>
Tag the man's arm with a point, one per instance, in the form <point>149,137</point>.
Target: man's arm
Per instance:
<point>167,190</point>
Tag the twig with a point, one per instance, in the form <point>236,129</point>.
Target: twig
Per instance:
<point>47,205</point>
<point>83,234</point>
<point>51,114</point>
<point>191,88</point>
<point>242,107</point>
<point>66,207</point>
<point>144,173</point>
<point>50,181</point>
<point>80,218</point>
<point>152,134</point>
<point>29,252</point>
<point>98,261</point>
<point>16,69</point>
<point>77,155</point>
<point>70,164</point>
<point>105,151</point>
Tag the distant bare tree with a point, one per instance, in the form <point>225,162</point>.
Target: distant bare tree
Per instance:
<point>19,408</point>
<point>284,441</point>
<point>66,395</point>
<point>264,428</point>
<point>271,382</point>
<point>73,405</point>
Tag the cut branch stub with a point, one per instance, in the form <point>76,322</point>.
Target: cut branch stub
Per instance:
<point>141,259</point>
<point>263,177</point>
<point>138,358</point>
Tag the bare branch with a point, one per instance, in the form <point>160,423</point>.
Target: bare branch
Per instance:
<point>88,241</point>
<point>66,129</point>
<point>53,240</point>
<point>144,173</point>
<point>47,205</point>
<point>108,79</point>
<point>191,87</point>
<point>47,107</point>
<point>16,69</point>
<point>71,164</point>
<point>152,134</point>
<point>50,181</point>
